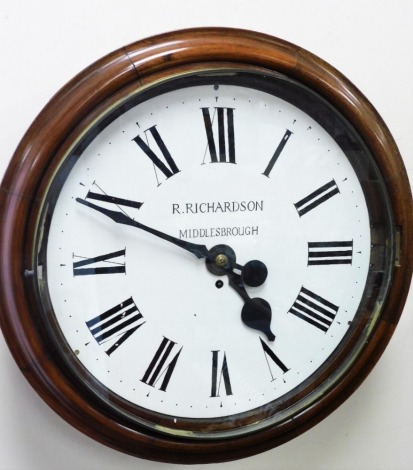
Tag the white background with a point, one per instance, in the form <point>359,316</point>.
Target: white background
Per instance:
<point>44,43</point>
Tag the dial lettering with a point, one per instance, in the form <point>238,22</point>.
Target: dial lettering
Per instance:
<point>110,258</point>
<point>316,198</point>
<point>220,374</point>
<point>324,253</point>
<point>169,168</point>
<point>277,153</point>
<point>159,367</point>
<point>313,309</point>
<point>118,322</point>
<point>226,135</point>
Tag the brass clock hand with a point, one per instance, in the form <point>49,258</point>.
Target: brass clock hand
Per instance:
<point>200,251</point>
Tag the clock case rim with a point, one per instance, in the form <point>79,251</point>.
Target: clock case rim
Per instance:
<point>303,395</point>
<point>145,62</point>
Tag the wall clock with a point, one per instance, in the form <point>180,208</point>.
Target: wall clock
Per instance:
<point>205,245</point>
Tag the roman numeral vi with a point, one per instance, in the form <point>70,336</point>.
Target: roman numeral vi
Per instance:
<point>220,374</point>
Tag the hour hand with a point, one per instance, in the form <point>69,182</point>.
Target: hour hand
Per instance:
<point>200,251</point>
<point>256,313</point>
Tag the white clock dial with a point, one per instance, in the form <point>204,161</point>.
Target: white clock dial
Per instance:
<point>211,164</point>
<point>205,245</point>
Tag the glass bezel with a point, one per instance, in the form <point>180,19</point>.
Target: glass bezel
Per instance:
<point>339,363</point>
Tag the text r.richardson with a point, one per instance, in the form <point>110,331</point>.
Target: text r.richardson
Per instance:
<point>217,207</point>
<point>211,232</point>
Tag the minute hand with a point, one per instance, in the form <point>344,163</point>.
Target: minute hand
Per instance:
<point>200,251</point>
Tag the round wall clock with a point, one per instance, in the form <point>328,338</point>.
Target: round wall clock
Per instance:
<point>205,245</point>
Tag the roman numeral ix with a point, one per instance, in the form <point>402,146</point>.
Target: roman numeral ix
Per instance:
<point>101,262</point>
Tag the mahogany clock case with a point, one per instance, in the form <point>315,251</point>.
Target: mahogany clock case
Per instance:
<point>56,139</point>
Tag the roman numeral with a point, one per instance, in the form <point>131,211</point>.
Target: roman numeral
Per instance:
<point>272,358</point>
<point>159,367</point>
<point>314,309</point>
<point>316,198</point>
<point>117,201</point>
<point>116,266</point>
<point>277,152</point>
<point>220,374</point>
<point>118,322</point>
<point>226,136</point>
<point>323,253</point>
<point>168,168</point>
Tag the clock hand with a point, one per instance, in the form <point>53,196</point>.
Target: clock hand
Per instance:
<point>254,273</point>
<point>200,251</point>
<point>220,260</point>
<point>256,312</point>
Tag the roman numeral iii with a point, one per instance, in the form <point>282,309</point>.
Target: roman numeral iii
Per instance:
<point>116,324</point>
<point>110,263</point>
<point>168,166</point>
<point>224,119</point>
<point>314,310</point>
<point>220,373</point>
<point>313,200</point>
<point>160,367</point>
<point>324,253</point>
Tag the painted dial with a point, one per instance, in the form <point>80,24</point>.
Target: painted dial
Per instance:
<point>181,207</point>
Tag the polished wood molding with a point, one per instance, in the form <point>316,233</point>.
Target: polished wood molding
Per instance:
<point>39,156</point>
